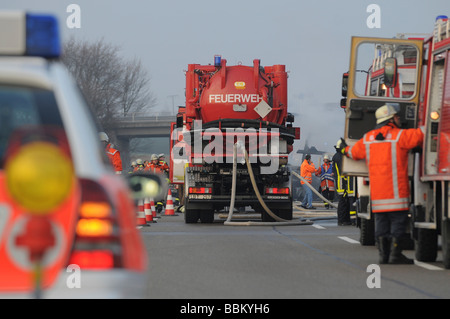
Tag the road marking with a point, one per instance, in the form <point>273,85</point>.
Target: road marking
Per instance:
<point>416,262</point>
<point>349,240</point>
<point>427,266</point>
<point>318,226</point>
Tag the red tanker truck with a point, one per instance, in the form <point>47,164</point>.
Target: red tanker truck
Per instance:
<point>228,105</point>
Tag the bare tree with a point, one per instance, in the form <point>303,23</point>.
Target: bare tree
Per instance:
<point>135,95</point>
<point>113,85</point>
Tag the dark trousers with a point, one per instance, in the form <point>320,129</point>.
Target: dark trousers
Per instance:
<point>328,195</point>
<point>343,210</point>
<point>391,224</point>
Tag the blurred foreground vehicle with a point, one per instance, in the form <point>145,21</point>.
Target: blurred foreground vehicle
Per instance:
<point>67,222</point>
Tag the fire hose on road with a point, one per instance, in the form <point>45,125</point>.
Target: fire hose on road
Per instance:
<point>279,221</point>
<point>313,189</point>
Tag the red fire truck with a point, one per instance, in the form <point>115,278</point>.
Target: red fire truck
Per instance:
<point>432,169</point>
<point>224,105</point>
<point>415,73</point>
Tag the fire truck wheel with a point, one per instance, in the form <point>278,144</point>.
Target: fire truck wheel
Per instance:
<point>446,243</point>
<point>285,213</point>
<point>207,216</point>
<point>282,213</point>
<point>190,216</point>
<point>367,232</point>
<point>426,245</point>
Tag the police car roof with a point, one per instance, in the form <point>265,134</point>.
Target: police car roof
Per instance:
<point>25,71</point>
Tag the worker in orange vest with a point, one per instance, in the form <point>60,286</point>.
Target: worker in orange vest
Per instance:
<point>386,152</point>
<point>162,163</point>
<point>154,166</point>
<point>325,171</point>
<point>112,153</point>
<point>306,170</point>
<point>140,166</point>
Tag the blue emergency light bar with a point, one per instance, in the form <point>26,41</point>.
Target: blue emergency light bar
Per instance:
<point>441,17</point>
<point>23,34</point>
<point>217,60</point>
<point>42,36</point>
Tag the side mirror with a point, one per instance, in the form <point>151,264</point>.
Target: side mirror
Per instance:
<point>145,185</point>
<point>290,118</point>
<point>180,121</point>
<point>390,72</point>
<point>344,84</point>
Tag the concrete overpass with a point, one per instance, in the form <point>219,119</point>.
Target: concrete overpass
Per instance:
<point>136,125</point>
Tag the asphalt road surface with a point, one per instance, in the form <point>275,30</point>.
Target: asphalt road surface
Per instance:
<point>323,260</point>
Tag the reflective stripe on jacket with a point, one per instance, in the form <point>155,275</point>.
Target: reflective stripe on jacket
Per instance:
<point>154,168</point>
<point>343,183</point>
<point>326,176</point>
<point>386,152</point>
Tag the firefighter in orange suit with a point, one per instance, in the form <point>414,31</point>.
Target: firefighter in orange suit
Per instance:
<point>325,171</point>
<point>386,152</point>
<point>113,154</point>
<point>162,163</point>
<point>154,166</point>
<point>306,170</point>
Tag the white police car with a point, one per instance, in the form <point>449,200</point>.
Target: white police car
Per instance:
<point>85,245</point>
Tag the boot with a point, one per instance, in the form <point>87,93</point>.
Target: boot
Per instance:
<point>396,256</point>
<point>384,248</point>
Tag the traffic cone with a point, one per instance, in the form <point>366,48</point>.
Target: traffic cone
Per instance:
<point>140,220</point>
<point>148,211</point>
<point>152,207</point>
<point>169,205</point>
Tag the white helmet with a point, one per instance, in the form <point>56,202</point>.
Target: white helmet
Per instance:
<point>154,157</point>
<point>139,161</point>
<point>385,112</point>
<point>103,137</point>
<point>326,157</point>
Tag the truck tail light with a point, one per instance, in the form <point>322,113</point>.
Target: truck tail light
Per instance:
<point>97,242</point>
<point>200,190</point>
<point>297,133</point>
<point>278,191</point>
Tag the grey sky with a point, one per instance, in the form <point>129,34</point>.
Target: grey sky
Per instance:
<point>312,38</point>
